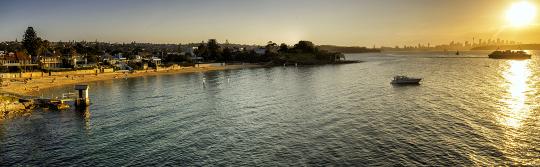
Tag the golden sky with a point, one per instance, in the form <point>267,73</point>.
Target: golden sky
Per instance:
<point>339,22</point>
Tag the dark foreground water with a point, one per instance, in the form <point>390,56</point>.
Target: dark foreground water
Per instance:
<point>468,111</point>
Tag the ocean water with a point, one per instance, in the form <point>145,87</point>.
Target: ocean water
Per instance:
<point>468,111</point>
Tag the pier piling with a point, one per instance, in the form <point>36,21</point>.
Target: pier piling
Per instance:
<point>83,99</point>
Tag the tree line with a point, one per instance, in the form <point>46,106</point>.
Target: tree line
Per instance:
<point>303,52</point>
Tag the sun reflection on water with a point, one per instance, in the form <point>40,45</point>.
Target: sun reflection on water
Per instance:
<point>517,77</point>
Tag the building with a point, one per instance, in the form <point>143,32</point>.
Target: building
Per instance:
<point>156,61</point>
<point>190,52</point>
<point>50,62</point>
<point>16,62</point>
<point>137,59</point>
<point>115,59</point>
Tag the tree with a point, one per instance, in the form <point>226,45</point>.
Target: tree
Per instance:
<point>227,54</point>
<point>179,49</point>
<point>305,46</point>
<point>213,49</point>
<point>202,50</point>
<point>80,48</point>
<point>270,45</point>
<point>283,48</point>
<point>31,42</point>
<point>45,46</point>
<point>92,58</point>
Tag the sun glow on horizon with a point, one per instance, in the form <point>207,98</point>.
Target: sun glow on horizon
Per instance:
<point>521,14</point>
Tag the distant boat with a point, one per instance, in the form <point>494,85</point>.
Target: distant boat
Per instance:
<point>457,52</point>
<point>405,80</point>
<point>508,54</point>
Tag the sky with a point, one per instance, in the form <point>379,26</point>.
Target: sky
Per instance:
<point>337,22</point>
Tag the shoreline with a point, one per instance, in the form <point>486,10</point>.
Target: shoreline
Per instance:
<point>34,86</point>
<point>27,87</point>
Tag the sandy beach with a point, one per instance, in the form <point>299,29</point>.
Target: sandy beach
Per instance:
<point>29,87</point>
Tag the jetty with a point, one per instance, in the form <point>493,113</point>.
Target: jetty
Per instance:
<point>82,100</point>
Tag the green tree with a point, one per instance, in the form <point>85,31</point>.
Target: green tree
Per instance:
<point>81,48</point>
<point>283,48</point>
<point>270,45</point>
<point>213,49</point>
<point>179,48</point>
<point>202,50</point>
<point>31,42</point>
<point>305,46</point>
<point>45,46</point>
<point>92,58</point>
<point>227,54</point>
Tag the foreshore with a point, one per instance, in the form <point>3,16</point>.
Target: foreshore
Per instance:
<point>32,87</point>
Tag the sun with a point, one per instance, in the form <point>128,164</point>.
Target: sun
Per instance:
<point>521,14</point>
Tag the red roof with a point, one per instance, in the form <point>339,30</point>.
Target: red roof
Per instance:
<point>18,56</point>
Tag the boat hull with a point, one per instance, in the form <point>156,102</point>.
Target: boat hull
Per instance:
<point>514,57</point>
<point>406,82</point>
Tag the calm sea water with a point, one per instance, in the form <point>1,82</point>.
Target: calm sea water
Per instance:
<point>469,110</point>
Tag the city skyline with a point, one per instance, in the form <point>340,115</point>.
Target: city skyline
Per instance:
<point>347,23</point>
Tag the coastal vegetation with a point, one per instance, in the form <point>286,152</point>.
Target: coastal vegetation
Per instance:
<point>46,56</point>
<point>303,53</point>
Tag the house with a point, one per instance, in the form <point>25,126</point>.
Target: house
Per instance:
<point>156,61</point>
<point>71,59</point>
<point>81,61</point>
<point>137,59</point>
<point>17,61</point>
<point>50,62</point>
<point>115,59</point>
<point>106,57</point>
<point>144,54</point>
<point>190,51</point>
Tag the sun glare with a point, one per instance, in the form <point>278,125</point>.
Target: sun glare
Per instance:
<point>521,14</point>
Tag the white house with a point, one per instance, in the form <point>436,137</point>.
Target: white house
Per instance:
<point>156,60</point>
